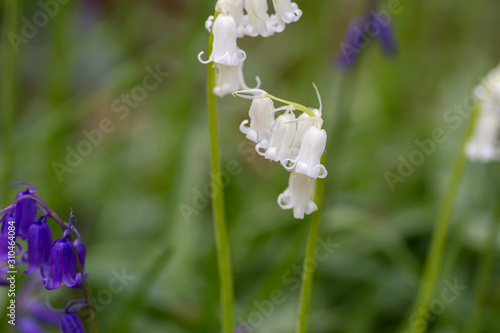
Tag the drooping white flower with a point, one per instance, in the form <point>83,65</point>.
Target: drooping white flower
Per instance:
<point>286,12</point>
<point>483,146</point>
<point>261,121</point>
<point>304,121</point>
<point>282,136</point>
<point>230,79</point>
<point>225,51</point>
<point>258,21</point>
<point>308,160</point>
<point>299,195</point>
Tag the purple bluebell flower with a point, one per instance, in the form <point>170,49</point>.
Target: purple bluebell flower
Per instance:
<point>361,32</point>
<point>7,235</point>
<point>26,211</point>
<point>62,265</point>
<point>39,246</point>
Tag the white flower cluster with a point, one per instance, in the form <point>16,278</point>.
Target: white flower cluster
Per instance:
<point>484,145</point>
<point>297,143</point>
<point>238,18</point>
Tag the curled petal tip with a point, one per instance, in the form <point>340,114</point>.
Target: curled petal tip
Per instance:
<point>203,61</point>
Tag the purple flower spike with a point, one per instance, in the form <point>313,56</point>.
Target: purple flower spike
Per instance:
<point>26,210</point>
<point>70,323</point>
<point>62,266</point>
<point>354,40</point>
<point>39,245</point>
<point>7,235</point>
<point>360,33</point>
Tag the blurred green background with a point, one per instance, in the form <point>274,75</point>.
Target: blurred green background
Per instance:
<point>128,189</point>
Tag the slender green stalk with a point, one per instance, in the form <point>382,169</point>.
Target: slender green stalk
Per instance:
<point>435,254</point>
<point>221,237</point>
<point>483,276</point>
<point>10,49</point>
<point>309,260</point>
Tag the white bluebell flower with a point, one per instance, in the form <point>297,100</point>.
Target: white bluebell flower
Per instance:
<point>225,51</point>
<point>258,21</point>
<point>308,160</point>
<point>261,121</point>
<point>283,133</point>
<point>299,195</point>
<point>286,12</point>
<point>484,145</point>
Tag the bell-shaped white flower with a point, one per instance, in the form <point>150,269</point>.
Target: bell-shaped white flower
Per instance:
<point>286,12</point>
<point>304,121</point>
<point>233,8</point>
<point>230,79</point>
<point>225,51</point>
<point>258,21</point>
<point>282,136</point>
<point>261,121</point>
<point>483,146</point>
<point>299,195</point>
<point>308,160</point>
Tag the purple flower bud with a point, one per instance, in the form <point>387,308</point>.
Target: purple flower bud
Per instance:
<point>81,250</point>
<point>62,266</point>
<point>354,40</point>
<point>26,210</point>
<point>8,233</point>
<point>39,245</point>
<point>385,32</point>
<point>70,323</point>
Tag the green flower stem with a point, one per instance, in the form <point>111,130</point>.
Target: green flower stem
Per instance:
<point>309,260</point>
<point>221,237</point>
<point>435,254</point>
<point>295,105</point>
<point>483,275</point>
